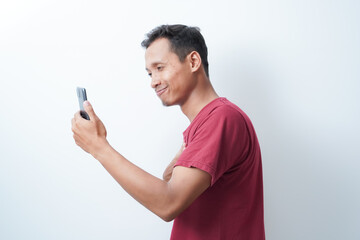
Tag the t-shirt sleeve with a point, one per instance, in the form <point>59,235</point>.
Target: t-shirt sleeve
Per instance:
<point>220,142</point>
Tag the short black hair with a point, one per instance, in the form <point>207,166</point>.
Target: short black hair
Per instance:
<point>183,40</point>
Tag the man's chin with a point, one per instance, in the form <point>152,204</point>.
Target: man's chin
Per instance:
<point>167,103</point>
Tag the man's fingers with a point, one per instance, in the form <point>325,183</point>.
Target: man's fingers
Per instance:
<point>77,116</point>
<point>73,124</point>
<point>89,110</point>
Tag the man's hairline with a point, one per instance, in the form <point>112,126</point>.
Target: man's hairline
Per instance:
<point>171,47</point>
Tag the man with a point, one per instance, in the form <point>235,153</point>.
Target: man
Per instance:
<point>213,188</point>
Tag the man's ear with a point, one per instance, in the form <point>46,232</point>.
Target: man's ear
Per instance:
<point>195,61</point>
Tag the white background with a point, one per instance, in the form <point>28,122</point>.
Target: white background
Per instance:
<point>293,66</point>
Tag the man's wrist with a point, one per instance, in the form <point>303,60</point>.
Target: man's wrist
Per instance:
<point>103,150</point>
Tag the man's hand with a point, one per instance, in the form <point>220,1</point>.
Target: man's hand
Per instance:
<point>169,170</point>
<point>90,135</point>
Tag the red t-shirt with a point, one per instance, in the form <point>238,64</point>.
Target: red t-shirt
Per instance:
<point>221,140</point>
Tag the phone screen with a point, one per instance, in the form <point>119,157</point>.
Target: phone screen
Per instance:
<point>81,93</point>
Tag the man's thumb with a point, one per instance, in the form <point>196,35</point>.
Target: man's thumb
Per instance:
<point>89,109</point>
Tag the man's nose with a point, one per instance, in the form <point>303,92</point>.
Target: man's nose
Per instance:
<point>155,81</point>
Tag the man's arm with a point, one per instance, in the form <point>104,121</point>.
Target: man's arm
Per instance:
<point>167,199</point>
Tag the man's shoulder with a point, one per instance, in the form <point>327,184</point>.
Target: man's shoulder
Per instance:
<point>217,115</point>
<point>226,110</point>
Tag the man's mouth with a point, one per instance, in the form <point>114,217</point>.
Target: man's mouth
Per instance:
<point>161,91</point>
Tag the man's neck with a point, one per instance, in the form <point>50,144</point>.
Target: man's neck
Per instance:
<point>197,100</point>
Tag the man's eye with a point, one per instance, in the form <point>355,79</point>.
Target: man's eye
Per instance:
<point>159,68</point>
<point>150,74</point>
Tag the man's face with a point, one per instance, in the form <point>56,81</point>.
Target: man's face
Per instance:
<point>170,78</point>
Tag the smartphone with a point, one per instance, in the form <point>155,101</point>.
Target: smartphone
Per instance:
<point>81,93</point>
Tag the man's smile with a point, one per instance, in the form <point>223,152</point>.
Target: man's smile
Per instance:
<point>160,91</point>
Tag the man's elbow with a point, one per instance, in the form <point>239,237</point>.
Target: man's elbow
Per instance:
<point>169,216</point>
